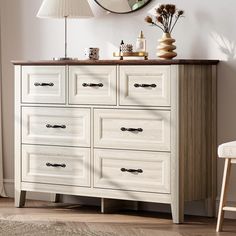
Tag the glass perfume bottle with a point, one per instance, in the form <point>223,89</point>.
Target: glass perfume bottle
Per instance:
<point>141,43</point>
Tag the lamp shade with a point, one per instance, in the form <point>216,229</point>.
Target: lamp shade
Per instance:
<point>65,8</point>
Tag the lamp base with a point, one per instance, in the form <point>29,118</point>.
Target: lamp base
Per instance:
<point>64,59</point>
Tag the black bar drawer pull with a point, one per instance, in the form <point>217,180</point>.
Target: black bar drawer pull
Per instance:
<point>55,165</point>
<point>56,126</point>
<point>132,129</point>
<point>145,85</point>
<point>131,170</point>
<point>92,85</point>
<point>44,84</point>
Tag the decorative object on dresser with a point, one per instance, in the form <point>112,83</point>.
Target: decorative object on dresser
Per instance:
<point>141,43</point>
<point>126,50</point>
<point>166,47</point>
<point>126,47</point>
<point>117,130</point>
<point>121,55</point>
<point>122,6</point>
<point>65,9</point>
<point>91,53</point>
<point>166,18</point>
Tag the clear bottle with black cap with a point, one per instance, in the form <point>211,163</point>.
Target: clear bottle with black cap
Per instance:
<point>141,43</point>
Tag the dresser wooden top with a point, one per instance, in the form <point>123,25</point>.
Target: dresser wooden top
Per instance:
<point>117,62</point>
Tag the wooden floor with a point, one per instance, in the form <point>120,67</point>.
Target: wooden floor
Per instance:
<point>155,222</point>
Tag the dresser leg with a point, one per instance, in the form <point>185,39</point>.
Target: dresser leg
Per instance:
<point>55,197</point>
<point>20,198</point>
<point>109,205</point>
<point>177,213</point>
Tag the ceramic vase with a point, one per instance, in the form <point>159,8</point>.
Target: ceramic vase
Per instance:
<point>165,48</point>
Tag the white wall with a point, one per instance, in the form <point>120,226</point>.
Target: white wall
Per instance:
<point>208,32</point>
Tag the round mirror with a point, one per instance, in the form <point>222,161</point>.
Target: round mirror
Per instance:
<point>122,6</point>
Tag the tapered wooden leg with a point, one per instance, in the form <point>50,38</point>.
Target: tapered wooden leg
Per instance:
<point>55,198</point>
<point>225,184</point>
<point>177,199</point>
<point>177,210</point>
<point>20,198</point>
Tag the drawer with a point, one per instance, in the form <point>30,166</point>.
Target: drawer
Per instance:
<point>43,84</point>
<point>132,129</point>
<point>56,126</point>
<point>145,85</point>
<point>132,170</point>
<point>60,165</point>
<point>92,85</point>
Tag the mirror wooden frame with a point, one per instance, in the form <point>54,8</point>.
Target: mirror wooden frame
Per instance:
<point>124,12</point>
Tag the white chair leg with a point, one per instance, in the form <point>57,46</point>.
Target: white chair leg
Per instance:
<point>225,184</point>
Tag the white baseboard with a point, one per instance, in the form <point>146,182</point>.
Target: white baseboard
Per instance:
<point>196,208</point>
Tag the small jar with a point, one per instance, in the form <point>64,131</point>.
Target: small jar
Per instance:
<point>126,48</point>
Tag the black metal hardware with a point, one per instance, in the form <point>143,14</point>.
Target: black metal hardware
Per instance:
<point>145,85</point>
<point>55,165</point>
<point>132,129</point>
<point>131,170</point>
<point>43,84</point>
<point>56,126</point>
<point>92,85</point>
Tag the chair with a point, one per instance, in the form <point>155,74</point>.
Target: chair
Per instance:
<point>228,152</point>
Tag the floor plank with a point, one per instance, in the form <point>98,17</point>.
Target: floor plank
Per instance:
<point>127,221</point>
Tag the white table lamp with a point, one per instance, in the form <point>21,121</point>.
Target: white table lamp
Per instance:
<point>65,9</point>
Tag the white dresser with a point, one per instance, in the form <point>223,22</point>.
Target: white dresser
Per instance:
<point>129,130</point>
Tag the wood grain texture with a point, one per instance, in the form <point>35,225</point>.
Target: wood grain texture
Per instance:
<point>212,180</point>
<point>118,62</point>
<point>157,76</point>
<point>34,76</point>
<point>192,141</point>
<point>123,223</point>
<point>19,194</point>
<point>97,192</point>
<point>177,170</point>
<point>80,77</point>
<point>197,97</point>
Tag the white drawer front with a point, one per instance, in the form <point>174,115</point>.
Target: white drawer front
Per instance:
<point>92,85</point>
<point>113,129</point>
<point>56,126</point>
<point>132,170</point>
<point>145,85</point>
<point>43,84</point>
<point>56,165</point>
